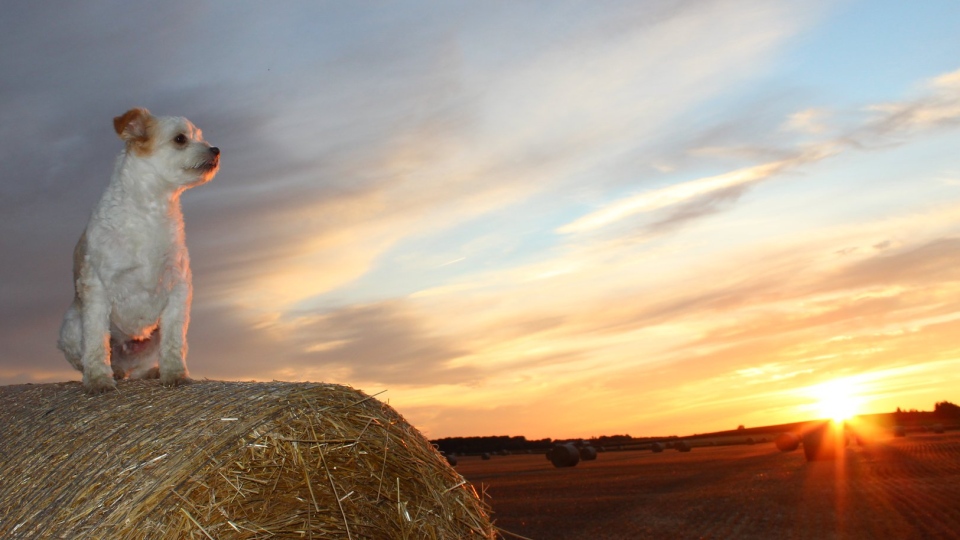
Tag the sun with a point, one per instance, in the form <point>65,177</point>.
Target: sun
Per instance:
<point>837,399</point>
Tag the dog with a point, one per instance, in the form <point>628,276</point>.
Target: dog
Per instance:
<point>131,269</point>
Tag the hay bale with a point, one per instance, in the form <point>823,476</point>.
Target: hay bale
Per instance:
<point>588,453</point>
<point>787,442</point>
<point>565,455</point>
<point>223,460</point>
<point>899,431</point>
<point>485,456</point>
<point>823,441</point>
<point>682,446</point>
<point>656,448</point>
<point>937,428</point>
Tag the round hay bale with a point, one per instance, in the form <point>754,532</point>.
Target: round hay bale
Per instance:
<point>899,431</point>
<point>485,456</point>
<point>937,428</point>
<point>565,455</point>
<point>588,453</point>
<point>787,442</point>
<point>751,441</point>
<point>682,446</point>
<point>223,460</point>
<point>549,454</point>
<point>452,460</point>
<point>823,441</point>
<point>656,448</point>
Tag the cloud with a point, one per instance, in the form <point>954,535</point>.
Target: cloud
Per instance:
<point>376,344</point>
<point>677,194</point>
<point>809,121</point>
<point>937,106</point>
<point>693,199</point>
<point>383,342</point>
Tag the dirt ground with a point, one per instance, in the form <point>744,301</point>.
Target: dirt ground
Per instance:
<point>901,488</point>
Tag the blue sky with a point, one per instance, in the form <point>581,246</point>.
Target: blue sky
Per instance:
<point>548,219</point>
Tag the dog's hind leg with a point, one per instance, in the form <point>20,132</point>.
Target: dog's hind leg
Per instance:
<point>71,336</point>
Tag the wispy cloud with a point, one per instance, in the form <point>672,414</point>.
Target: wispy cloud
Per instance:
<point>677,194</point>
<point>888,124</point>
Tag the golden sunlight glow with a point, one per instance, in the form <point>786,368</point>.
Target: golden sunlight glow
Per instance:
<point>838,399</point>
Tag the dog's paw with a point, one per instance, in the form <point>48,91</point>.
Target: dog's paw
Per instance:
<point>174,379</point>
<point>99,385</point>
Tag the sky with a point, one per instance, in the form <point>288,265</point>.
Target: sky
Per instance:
<point>550,219</point>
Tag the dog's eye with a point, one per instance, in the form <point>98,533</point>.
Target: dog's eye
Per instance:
<point>180,139</point>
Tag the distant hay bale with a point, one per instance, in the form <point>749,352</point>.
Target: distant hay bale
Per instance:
<point>451,459</point>
<point>937,428</point>
<point>787,442</point>
<point>656,448</point>
<point>549,454</point>
<point>750,440</point>
<point>823,441</point>
<point>565,455</point>
<point>682,446</point>
<point>588,453</point>
<point>485,456</point>
<point>899,431</point>
<point>223,460</point>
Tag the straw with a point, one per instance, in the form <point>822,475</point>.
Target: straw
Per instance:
<point>223,460</point>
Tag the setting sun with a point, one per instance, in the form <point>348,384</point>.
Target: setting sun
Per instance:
<point>837,399</point>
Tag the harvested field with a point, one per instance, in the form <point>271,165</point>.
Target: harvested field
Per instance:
<point>893,488</point>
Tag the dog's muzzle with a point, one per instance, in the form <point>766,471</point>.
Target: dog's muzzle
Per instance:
<point>211,163</point>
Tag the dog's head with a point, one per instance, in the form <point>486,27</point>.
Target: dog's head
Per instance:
<point>172,146</point>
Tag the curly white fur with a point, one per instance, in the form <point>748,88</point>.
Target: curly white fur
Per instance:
<point>131,268</point>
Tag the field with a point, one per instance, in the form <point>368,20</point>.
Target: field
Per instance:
<point>890,488</point>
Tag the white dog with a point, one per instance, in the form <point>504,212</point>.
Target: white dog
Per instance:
<point>131,269</point>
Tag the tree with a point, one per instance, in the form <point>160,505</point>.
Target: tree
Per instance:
<point>946,410</point>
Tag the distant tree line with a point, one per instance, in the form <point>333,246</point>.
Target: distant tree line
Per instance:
<point>500,443</point>
<point>490,444</point>
<point>943,412</point>
<point>946,410</point>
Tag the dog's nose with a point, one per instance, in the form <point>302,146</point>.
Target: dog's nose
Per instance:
<point>215,150</point>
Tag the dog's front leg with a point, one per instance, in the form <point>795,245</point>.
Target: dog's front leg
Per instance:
<point>173,336</point>
<point>95,317</point>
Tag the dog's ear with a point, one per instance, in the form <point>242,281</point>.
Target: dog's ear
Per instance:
<point>132,125</point>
